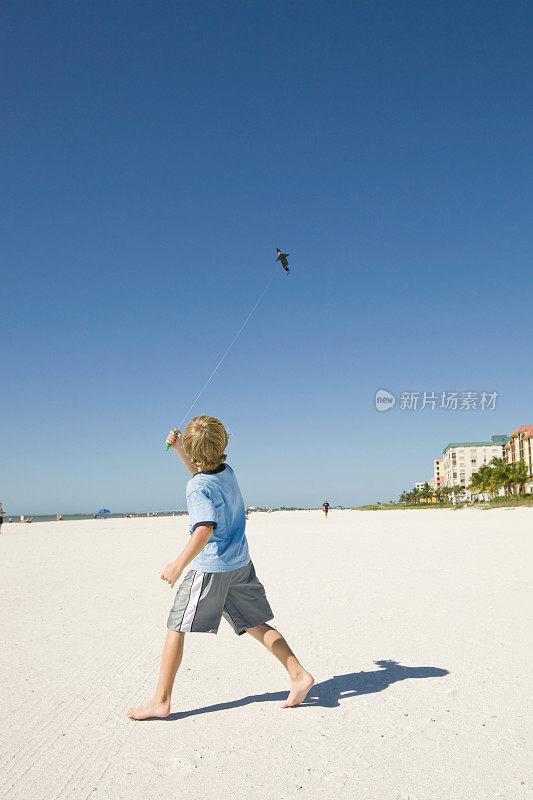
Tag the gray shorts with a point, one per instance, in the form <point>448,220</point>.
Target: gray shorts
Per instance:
<point>203,598</point>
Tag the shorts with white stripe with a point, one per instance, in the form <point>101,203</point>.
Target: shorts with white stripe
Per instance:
<point>203,598</point>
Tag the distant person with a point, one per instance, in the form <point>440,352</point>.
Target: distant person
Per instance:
<point>1,516</point>
<point>325,508</point>
<point>222,581</point>
<point>22,517</point>
<point>59,517</point>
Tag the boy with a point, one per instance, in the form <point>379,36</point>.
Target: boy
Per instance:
<point>222,581</point>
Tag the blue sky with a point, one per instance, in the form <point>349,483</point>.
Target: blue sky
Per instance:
<point>156,154</point>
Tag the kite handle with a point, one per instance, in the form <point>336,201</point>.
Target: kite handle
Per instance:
<point>175,431</point>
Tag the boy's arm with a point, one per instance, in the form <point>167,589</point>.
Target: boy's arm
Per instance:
<point>175,443</point>
<point>194,547</point>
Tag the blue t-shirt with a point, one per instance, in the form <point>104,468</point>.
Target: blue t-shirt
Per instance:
<point>214,498</point>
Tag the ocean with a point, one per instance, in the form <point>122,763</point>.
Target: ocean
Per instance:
<point>53,517</point>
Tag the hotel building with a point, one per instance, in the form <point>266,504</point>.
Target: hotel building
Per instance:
<point>462,459</point>
<point>520,448</point>
<point>438,473</point>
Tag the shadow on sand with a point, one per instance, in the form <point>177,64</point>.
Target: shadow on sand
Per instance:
<point>328,694</point>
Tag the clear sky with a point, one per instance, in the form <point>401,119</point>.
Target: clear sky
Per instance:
<point>155,155</point>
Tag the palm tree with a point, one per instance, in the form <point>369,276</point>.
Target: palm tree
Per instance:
<point>510,478</point>
<point>415,495</point>
<point>457,490</point>
<point>495,482</point>
<point>426,493</point>
<point>486,478</point>
<point>445,491</point>
<point>476,483</point>
<point>500,475</point>
<point>481,480</point>
<point>520,475</point>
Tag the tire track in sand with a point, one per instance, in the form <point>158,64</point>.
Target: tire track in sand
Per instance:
<point>54,727</point>
<point>75,783</point>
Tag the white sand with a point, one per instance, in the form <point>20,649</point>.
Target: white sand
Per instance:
<point>443,593</point>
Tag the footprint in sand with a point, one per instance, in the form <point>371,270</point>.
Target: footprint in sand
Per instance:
<point>177,766</point>
<point>170,767</point>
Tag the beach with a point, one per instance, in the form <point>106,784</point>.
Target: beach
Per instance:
<point>413,623</point>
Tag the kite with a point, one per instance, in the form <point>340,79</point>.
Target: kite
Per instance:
<point>283,258</point>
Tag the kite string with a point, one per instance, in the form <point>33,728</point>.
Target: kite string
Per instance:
<point>208,381</point>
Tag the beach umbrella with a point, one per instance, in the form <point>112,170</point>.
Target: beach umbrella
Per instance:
<point>104,511</point>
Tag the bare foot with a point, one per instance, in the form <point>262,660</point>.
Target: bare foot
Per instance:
<point>153,708</point>
<point>299,688</point>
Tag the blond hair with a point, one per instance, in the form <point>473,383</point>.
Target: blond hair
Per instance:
<point>204,441</point>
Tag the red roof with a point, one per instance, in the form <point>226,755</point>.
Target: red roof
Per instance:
<point>527,430</point>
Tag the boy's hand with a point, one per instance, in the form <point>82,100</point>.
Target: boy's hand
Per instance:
<point>174,440</point>
<point>171,573</point>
